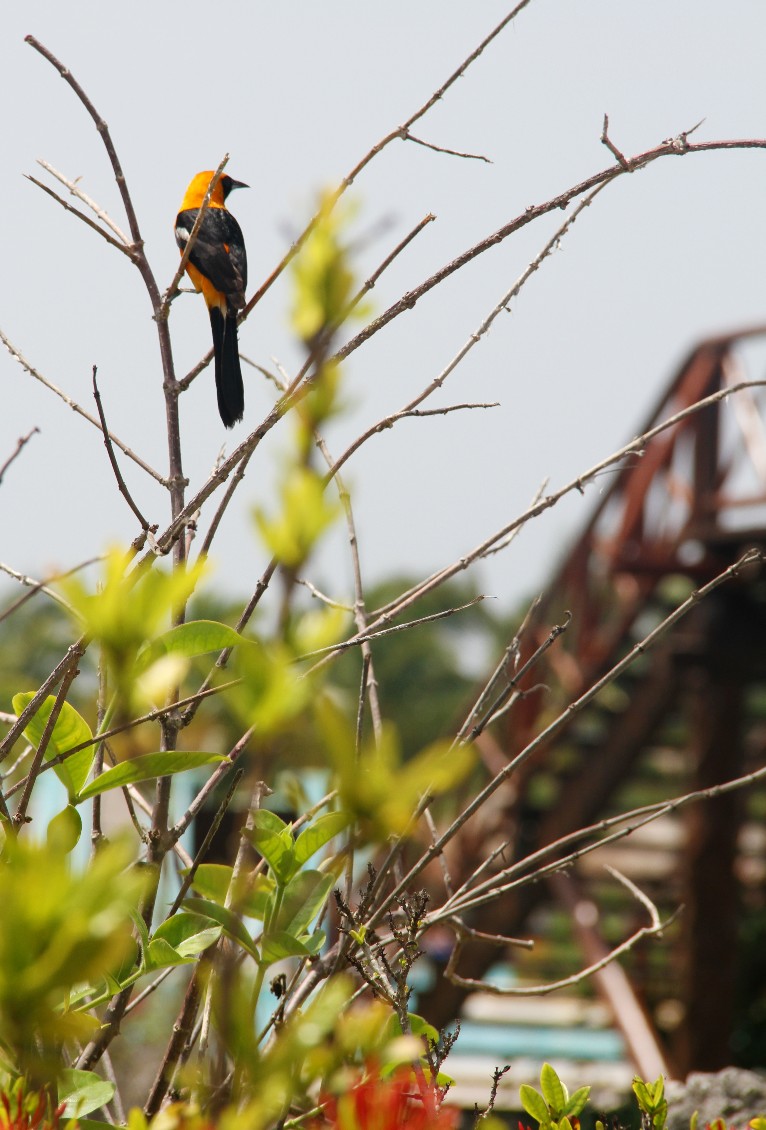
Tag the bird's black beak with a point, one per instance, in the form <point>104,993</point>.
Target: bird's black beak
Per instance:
<point>228,183</point>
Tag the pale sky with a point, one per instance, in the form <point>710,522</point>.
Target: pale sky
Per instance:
<point>297,93</point>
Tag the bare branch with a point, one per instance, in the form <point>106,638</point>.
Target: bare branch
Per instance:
<point>675,147</point>
<point>451,152</point>
<point>20,444</point>
<point>110,452</point>
<point>20,816</point>
<point>18,356</point>
<point>97,210</point>
<point>205,845</point>
<point>563,718</point>
<point>512,683</point>
<point>607,141</point>
<point>635,447</point>
<point>318,595</point>
<point>369,636</point>
<point>655,927</point>
<point>42,586</point>
<point>211,784</point>
<point>510,655</point>
<point>399,134</point>
<point>103,130</point>
<point>81,216</point>
<point>70,660</point>
<point>411,408</point>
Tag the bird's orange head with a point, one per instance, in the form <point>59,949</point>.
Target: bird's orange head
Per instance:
<point>199,185</point>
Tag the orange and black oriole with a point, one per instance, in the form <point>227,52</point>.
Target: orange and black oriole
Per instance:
<point>218,268</point>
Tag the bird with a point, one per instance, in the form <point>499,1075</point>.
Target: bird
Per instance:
<point>217,266</point>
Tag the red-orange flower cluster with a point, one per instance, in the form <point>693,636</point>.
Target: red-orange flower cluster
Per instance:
<point>28,1112</point>
<point>401,1100</point>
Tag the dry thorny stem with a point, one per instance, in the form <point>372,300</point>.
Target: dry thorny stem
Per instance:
<point>379,960</point>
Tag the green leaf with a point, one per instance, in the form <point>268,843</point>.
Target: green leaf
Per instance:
<point>642,1094</point>
<point>161,955</point>
<point>212,881</point>
<point>188,934</point>
<point>273,690</point>
<point>534,1104</point>
<point>313,942</point>
<point>268,821</point>
<point>146,768</point>
<point>577,1102</point>
<point>554,1091</point>
<point>303,515</point>
<point>232,925</point>
<point>565,1124</point>
<point>64,830</point>
<point>141,930</point>
<point>304,897</point>
<point>322,277</point>
<point>418,1027</point>
<point>379,788</point>
<point>319,833</point>
<point>130,607</point>
<point>198,637</point>
<point>70,730</point>
<point>273,839</point>
<point>83,1091</point>
<point>278,945</point>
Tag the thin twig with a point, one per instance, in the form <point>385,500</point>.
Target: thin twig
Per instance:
<point>400,133</point>
<point>511,653</point>
<point>112,459</point>
<point>319,595</point>
<point>635,447</point>
<point>675,147</point>
<point>20,816</point>
<point>532,868</point>
<point>481,331</point>
<point>151,716</point>
<point>655,927</point>
<point>370,636</point>
<point>151,988</point>
<point>124,242</point>
<point>493,711</point>
<point>607,141</point>
<point>562,720</point>
<point>442,149</point>
<point>205,845</point>
<point>71,659</point>
<point>20,444</point>
<point>103,130</point>
<point>40,586</point>
<point>81,216</point>
<point>33,372</point>
<point>211,783</point>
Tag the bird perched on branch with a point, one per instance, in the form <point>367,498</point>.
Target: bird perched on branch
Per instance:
<point>217,266</point>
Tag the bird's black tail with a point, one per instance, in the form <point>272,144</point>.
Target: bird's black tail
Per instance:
<point>228,374</point>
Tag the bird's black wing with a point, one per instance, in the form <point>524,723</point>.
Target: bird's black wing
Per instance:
<point>218,252</point>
